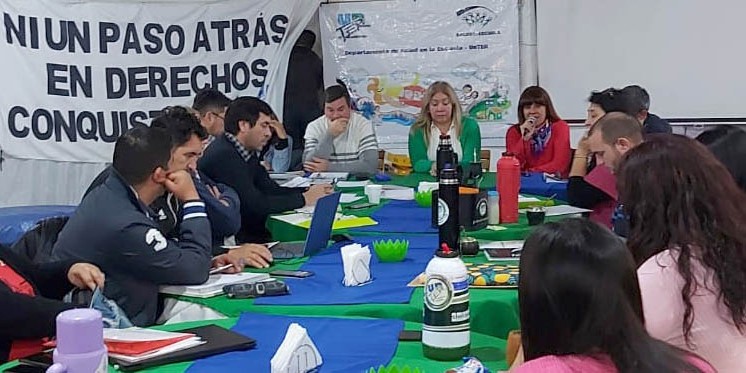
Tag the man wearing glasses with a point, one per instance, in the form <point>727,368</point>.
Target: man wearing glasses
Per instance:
<point>211,105</point>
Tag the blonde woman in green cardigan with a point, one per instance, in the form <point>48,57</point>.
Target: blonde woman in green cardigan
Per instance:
<point>441,115</point>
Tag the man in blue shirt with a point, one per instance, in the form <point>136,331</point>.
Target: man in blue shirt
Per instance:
<point>115,229</point>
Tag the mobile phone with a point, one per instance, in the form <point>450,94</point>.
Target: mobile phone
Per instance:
<point>361,206</point>
<point>410,335</point>
<point>507,253</point>
<point>297,274</point>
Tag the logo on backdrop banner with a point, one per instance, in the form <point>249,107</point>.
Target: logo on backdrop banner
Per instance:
<point>476,15</point>
<point>350,25</point>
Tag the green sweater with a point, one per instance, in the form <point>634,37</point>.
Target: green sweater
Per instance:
<point>470,140</point>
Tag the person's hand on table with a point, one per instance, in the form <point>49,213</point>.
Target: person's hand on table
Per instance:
<point>316,165</point>
<point>225,259</point>
<point>315,192</point>
<point>255,255</point>
<point>85,275</point>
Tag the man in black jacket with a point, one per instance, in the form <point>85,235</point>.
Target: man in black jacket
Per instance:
<point>30,299</point>
<point>651,123</point>
<point>114,228</point>
<point>233,159</point>
<point>304,89</point>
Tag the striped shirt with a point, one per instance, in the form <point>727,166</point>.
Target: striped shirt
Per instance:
<point>344,150</point>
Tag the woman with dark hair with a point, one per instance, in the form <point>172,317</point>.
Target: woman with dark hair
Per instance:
<point>540,140</point>
<point>580,306</point>
<point>728,144</point>
<point>686,217</point>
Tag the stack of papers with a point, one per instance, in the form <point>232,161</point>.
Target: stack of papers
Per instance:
<point>356,262</point>
<point>136,344</point>
<point>330,175</point>
<point>284,175</point>
<point>564,210</point>
<point>297,353</point>
<point>398,194</point>
<point>501,245</point>
<point>352,184</point>
<point>524,199</point>
<point>297,182</point>
<point>214,284</point>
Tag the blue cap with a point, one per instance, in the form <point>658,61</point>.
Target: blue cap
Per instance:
<point>492,193</point>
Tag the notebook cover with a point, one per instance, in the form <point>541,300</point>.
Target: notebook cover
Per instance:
<point>219,340</point>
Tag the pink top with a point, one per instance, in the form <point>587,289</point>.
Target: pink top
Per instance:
<point>713,333</point>
<point>582,363</point>
<point>604,180</point>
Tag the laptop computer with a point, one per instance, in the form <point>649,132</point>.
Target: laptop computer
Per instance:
<point>319,232</point>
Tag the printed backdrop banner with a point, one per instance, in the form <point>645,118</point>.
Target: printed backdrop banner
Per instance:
<point>78,74</point>
<point>389,52</point>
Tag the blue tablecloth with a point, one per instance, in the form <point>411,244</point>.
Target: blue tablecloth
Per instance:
<point>345,345</point>
<point>15,221</point>
<point>389,283</point>
<point>534,184</point>
<point>400,217</point>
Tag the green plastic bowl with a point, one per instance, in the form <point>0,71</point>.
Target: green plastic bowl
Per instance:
<point>391,250</point>
<point>424,199</point>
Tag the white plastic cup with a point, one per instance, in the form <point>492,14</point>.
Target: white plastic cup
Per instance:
<point>374,192</point>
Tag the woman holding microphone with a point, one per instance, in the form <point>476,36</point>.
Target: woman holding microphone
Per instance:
<point>540,140</point>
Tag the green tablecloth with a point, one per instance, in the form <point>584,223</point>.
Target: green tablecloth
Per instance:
<point>494,311</point>
<point>490,350</point>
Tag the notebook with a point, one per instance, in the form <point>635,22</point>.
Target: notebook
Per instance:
<point>217,341</point>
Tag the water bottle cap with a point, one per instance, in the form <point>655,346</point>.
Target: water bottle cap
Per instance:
<point>492,193</point>
<point>446,252</point>
<point>79,331</point>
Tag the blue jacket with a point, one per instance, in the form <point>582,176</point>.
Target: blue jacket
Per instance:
<point>224,213</point>
<point>655,124</point>
<point>114,230</point>
<point>260,195</point>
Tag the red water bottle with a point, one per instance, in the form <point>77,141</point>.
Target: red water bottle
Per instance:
<point>508,185</point>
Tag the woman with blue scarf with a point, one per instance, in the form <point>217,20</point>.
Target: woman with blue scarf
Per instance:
<point>540,140</point>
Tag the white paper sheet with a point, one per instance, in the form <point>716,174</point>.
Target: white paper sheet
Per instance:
<point>297,182</point>
<point>214,284</point>
<point>352,184</point>
<point>349,197</point>
<point>399,194</point>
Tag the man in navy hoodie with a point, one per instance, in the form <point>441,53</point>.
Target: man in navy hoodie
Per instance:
<point>651,123</point>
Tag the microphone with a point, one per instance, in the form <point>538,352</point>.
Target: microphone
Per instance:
<point>531,121</point>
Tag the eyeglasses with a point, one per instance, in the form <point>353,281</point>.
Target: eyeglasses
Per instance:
<point>221,116</point>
